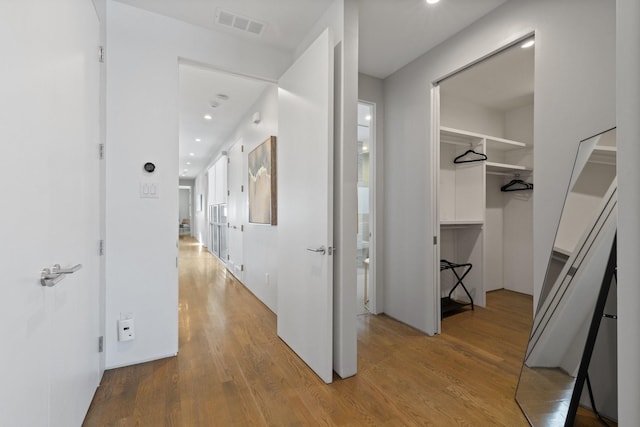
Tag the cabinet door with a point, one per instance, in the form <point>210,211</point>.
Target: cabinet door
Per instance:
<point>236,173</point>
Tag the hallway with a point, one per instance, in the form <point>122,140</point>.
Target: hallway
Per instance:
<point>232,369</point>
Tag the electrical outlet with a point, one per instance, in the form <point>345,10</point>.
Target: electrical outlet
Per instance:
<point>126,330</point>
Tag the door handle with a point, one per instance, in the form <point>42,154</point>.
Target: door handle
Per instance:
<point>321,249</point>
<point>50,276</point>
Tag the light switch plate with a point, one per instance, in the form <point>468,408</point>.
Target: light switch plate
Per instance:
<point>149,190</point>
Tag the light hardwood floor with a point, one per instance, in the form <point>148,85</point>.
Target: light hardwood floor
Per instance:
<point>233,370</point>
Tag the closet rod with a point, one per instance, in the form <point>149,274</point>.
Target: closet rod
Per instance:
<point>461,144</point>
<point>514,174</point>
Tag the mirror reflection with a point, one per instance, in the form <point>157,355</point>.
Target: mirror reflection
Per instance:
<point>572,283</point>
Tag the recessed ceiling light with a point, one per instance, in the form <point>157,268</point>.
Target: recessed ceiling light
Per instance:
<point>192,154</point>
<point>367,117</point>
<point>528,43</point>
<point>208,117</point>
<point>223,96</point>
<point>432,1</point>
<point>188,163</point>
<point>198,139</point>
<point>185,170</point>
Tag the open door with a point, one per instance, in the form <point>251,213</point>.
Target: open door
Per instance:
<point>305,212</point>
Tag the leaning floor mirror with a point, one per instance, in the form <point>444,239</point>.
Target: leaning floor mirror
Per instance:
<point>579,273</point>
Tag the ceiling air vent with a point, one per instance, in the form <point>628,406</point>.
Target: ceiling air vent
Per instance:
<point>239,22</point>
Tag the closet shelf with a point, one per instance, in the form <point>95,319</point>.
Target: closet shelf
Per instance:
<point>605,148</point>
<point>462,137</point>
<point>500,144</point>
<point>562,251</point>
<point>603,155</point>
<point>460,222</point>
<point>504,167</point>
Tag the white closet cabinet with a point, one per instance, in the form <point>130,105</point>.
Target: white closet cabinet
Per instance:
<point>478,223</point>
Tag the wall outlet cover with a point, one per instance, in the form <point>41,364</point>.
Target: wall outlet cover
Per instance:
<point>126,330</point>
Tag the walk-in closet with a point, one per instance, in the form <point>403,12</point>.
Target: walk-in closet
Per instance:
<point>485,179</point>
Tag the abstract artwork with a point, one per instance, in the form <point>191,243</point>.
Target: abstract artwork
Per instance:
<point>263,203</point>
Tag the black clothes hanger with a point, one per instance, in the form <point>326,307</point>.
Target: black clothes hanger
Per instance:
<point>517,185</point>
<point>482,157</point>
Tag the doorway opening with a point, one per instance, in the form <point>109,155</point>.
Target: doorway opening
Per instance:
<point>365,262</point>
<point>484,174</point>
<point>185,216</point>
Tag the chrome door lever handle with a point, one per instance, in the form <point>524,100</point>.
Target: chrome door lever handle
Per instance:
<point>50,276</point>
<point>59,270</point>
<point>321,249</point>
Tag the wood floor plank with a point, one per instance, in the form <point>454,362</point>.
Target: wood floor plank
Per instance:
<point>233,370</point>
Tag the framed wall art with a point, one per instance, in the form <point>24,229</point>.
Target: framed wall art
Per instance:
<point>263,201</point>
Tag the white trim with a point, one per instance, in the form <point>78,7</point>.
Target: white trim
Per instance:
<point>372,282</point>
<point>137,362</point>
<point>518,38</point>
<point>435,207</point>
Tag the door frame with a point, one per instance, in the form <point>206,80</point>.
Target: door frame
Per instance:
<point>435,199</point>
<point>434,151</point>
<point>374,307</point>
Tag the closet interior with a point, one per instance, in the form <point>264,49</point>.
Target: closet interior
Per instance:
<point>485,179</point>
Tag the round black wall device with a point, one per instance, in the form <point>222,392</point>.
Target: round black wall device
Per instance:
<point>149,167</point>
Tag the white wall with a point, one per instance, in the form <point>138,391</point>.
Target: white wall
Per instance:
<point>259,241</point>
<point>142,125</point>
<point>628,132</point>
<point>464,115</point>
<point>574,89</point>
<point>519,206</point>
<point>518,124</point>
<point>371,89</point>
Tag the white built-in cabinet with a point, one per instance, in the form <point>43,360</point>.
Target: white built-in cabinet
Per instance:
<point>217,208</point>
<point>478,223</point>
<point>237,202</point>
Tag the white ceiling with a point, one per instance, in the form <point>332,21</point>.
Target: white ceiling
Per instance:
<point>395,32</point>
<point>392,33</point>
<point>502,82</point>
<point>288,21</point>
<point>198,88</point>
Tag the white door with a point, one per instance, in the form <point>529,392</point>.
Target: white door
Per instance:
<point>305,206</point>
<point>236,203</point>
<point>49,169</point>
